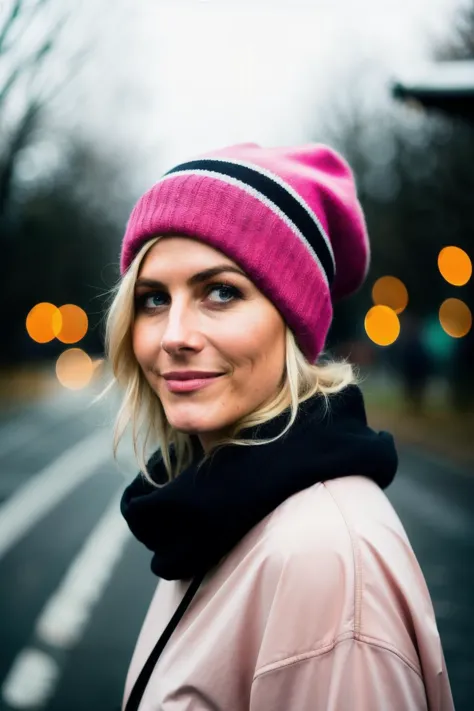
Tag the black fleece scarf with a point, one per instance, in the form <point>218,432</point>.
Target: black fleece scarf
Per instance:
<point>196,519</point>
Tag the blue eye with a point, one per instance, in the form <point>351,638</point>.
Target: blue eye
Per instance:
<point>150,301</point>
<point>224,293</point>
<point>154,300</point>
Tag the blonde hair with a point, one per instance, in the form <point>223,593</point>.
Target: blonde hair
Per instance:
<point>141,408</point>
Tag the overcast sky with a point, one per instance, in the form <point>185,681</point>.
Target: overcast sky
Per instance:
<point>177,77</point>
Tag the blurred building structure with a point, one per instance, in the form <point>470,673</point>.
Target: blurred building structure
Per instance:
<point>447,86</point>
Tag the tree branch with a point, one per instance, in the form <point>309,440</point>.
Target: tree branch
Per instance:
<point>18,141</point>
<point>9,22</point>
<point>34,62</point>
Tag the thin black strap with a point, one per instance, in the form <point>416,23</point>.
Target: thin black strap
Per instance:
<point>140,685</point>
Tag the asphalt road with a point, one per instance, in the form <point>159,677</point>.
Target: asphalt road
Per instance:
<point>74,585</point>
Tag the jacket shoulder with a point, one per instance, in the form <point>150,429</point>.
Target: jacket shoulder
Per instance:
<point>345,570</point>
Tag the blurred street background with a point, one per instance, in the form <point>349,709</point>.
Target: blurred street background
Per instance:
<point>97,100</point>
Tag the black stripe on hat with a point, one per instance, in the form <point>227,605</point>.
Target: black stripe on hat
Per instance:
<point>278,195</point>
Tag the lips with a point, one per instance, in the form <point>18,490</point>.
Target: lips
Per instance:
<point>189,381</point>
<point>189,375</point>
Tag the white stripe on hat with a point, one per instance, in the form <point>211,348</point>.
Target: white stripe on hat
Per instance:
<point>265,201</point>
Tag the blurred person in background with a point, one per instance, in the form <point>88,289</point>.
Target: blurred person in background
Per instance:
<point>462,373</point>
<point>287,578</point>
<point>414,364</point>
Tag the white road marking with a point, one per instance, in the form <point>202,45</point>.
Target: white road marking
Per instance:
<point>64,404</point>
<point>33,676</point>
<point>18,431</point>
<point>40,494</point>
<point>67,612</point>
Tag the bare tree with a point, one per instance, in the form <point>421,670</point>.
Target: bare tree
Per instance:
<point>60,219</point>
<point>30,32</point>
<point>461,43</point>
<point>65,246</point>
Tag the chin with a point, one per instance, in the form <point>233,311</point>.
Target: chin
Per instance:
<point>191,420</point>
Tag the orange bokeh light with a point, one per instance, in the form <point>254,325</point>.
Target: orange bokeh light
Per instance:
<point>43,322</point>
<point>455,317</point>
<point>382,325</point>
<point>74,324</point>
<point>392,292</point>
<point>74,369</point>
<point>455,265</point>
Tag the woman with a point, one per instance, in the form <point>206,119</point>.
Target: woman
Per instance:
<point>287,579</point>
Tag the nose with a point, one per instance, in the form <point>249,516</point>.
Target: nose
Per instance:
<point>181,333</point>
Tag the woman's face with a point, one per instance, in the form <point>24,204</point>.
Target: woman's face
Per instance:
<point>209,343</point>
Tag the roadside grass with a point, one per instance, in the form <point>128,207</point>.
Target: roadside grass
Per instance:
<point>438,428</point>
<point>25,383</point>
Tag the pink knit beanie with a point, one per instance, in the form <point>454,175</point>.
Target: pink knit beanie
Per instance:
<point>289,217</point>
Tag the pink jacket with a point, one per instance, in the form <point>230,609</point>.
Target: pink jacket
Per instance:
<point>321,607</point>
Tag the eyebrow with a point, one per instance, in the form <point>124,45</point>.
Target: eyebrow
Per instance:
<point>198,278</point>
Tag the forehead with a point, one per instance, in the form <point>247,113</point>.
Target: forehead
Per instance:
<point>180,254</point>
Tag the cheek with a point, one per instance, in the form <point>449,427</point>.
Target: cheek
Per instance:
<point>145,343</point>
<point>257,352</point>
